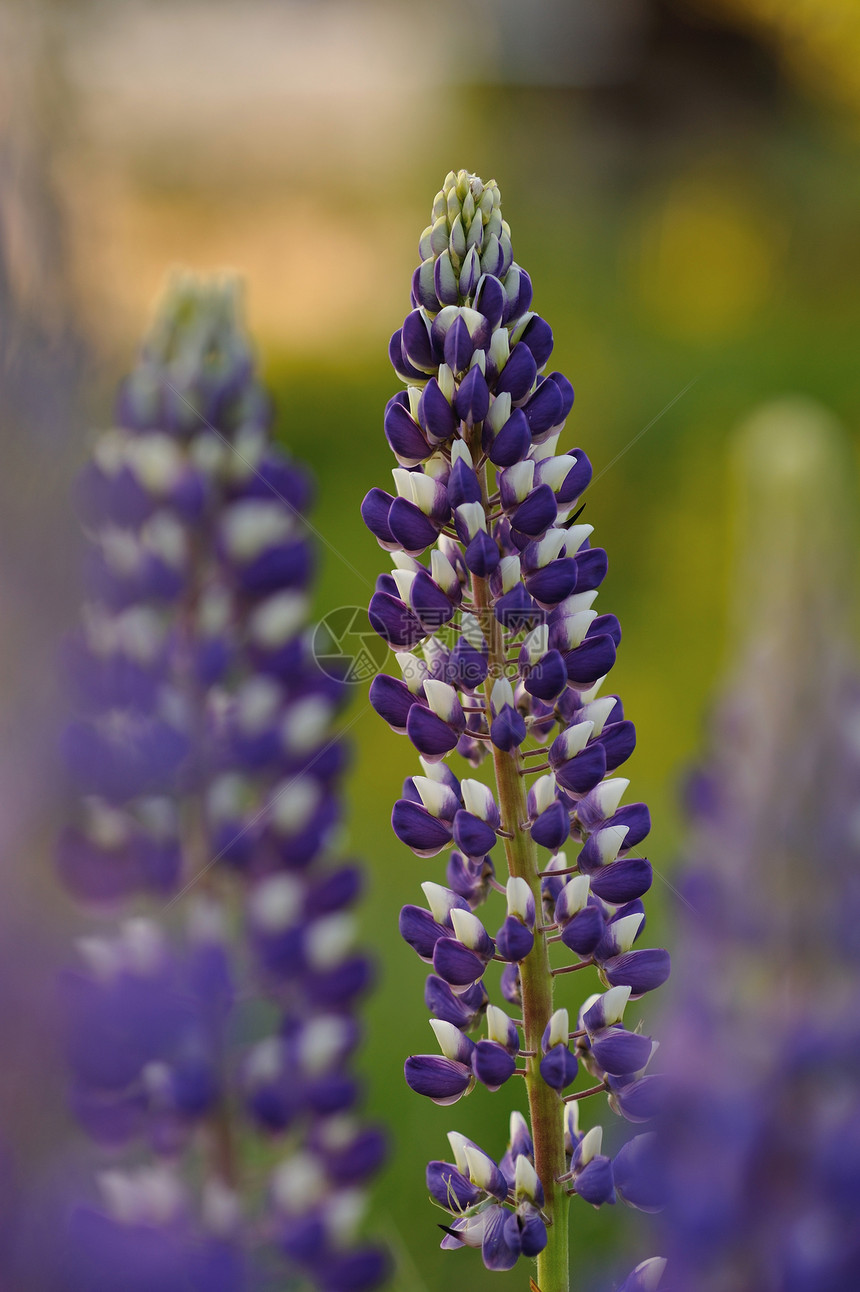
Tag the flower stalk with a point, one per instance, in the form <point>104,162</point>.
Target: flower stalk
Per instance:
<point>501,652</point>
<point>535,975</point>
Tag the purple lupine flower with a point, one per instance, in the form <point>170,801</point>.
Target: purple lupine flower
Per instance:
<point>758,1153</point>
<point>205,756</point>
<point>488,608</point>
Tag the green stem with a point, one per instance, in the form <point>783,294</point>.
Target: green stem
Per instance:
<point>545,1105</point>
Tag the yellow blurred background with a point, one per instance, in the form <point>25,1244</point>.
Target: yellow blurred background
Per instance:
<point>683,186</point>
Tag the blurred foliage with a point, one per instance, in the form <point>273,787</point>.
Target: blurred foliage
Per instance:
<point>691,232</point>
<point>818,39</point>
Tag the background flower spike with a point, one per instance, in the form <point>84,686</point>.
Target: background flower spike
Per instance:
<point>206,759</point>
<point>772,810</point>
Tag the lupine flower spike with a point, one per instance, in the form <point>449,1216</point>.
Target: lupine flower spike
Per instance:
<point>501,652</point>
<point>760,1170</point>
<point>206,761</point>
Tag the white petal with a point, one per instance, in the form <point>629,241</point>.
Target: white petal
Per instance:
<point>449,1037</point>
<point>591,1144</point>
<point>468,928</point>
<point>559,1028</point>
<point>597,711</point>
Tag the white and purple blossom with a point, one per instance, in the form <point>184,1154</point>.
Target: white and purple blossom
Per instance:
<point>501,653</point>
<point>205,758</point>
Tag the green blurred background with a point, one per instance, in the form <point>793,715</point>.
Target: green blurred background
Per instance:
<point>682,184</point>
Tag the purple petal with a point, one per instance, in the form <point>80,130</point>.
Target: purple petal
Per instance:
<point>552,827</point>
<point>619,741</point>
<point>435,414</point>
<point>501,1246</point>
<point>594,1182</point>
<point>459,346</point>
<point>543,409</point>
<point>583,933</point>
<point>510,986</point>
<point>622,881</point>
<point>639,1101</point>
<point>577,479</point>
<point>637,819</point>
<point>332,892</point>
<point>457,964</point>
<point>416,344</point>
<point>518,375</point>
<point>534,516</point>
<point>513,940</point>
<point>420,931</point>
<point>493,1065</point>
<point>559,1067</point>
<point>593,564</point>
<point>440,1079</point>
<point>450,1187</point>
<point>642,971</point>
<point>566,391</point>
<point>423,288</point>
<point>463,484</point>
<point>482,555</point>
<point>414,531</point>
<point>404,436</point>
<point>533,1235</point>
<point>467,666</point>
<point>537,335</point>
<point>490,300</point>
<point>518,291</point>
<point>399,363</point>
<point>618,1051</point>
<point>638,1174</point>
<point>374,513</point>
<point>473,836</point>
<point>429,602</point>
<point>463,1010</point>
<point>472,400</point>
<point>547,679</point>
<point>605,624</point>
<point>392,700</point>
<point>584,771</point>
<point>591,660</point>
<point>554,582</point>
<point>516,611</point>
<point>430,734</point>
<point>445,280</point>
<point>336,988</point>
<point>470,877</point>
<point>420,831</point>
<point>511,444</point>
<point>356,1161</point>
<point>394,621</point>
<point>508,728</point>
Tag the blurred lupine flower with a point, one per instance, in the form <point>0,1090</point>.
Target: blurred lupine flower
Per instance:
<point>501,652</point>
<point>760,1164</point>
<point>206,760</point>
